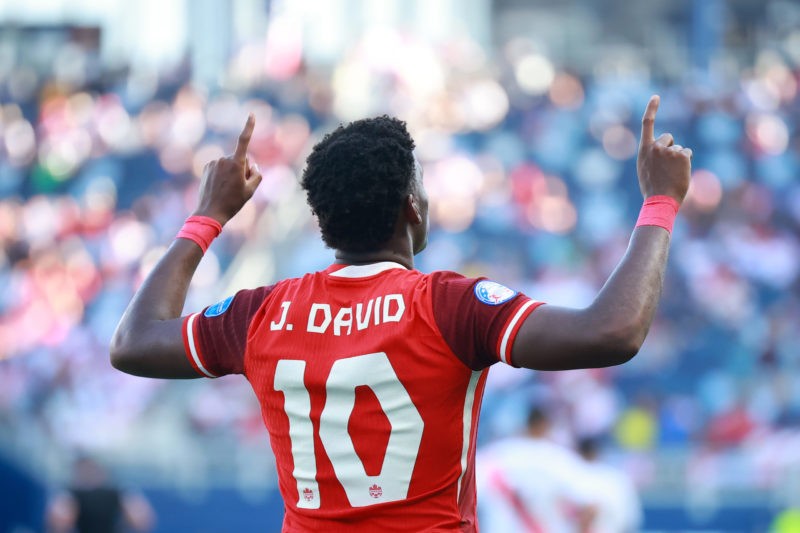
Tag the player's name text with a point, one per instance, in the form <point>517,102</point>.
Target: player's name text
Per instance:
<point>322,317</point>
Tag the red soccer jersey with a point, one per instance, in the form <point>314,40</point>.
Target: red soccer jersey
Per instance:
<point>370,381</point>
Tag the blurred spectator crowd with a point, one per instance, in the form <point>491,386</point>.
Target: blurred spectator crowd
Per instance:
<point>531,173</point>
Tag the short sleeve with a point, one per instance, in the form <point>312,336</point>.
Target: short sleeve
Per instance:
<point>215,338</point>
<point>478,318</point>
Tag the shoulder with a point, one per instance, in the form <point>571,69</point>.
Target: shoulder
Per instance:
<point>447,276</point>
<point>485,290</point>
<point>445,285</point>
<point>504,450</point>
<point>610,473</point>
<point>242,296</point>
<point>544,454</point>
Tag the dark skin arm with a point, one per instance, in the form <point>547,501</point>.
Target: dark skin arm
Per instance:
<point>148,340</point>
<point>612,329</point>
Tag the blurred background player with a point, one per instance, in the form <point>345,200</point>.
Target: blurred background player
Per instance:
<point>532,484</point>
<point>616,504</point>
<point>95,504</point>
<point>370,374</point>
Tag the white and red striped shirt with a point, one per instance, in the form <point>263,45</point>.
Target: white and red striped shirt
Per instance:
<point>370,381</point>
<point>531,485</point>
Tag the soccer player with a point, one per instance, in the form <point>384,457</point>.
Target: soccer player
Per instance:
<point>370,373</point>
<point>617,504</point>
<point>529,483</point>
<point>94,504</point>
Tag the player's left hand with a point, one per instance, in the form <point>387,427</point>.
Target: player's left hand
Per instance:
<point>229,182</point>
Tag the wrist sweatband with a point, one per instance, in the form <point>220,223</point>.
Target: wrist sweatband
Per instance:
<point>201,230</point>
<point>659,211</point>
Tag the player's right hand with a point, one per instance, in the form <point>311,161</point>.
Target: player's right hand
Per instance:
<point>229,182</point>
<point>664,167</point>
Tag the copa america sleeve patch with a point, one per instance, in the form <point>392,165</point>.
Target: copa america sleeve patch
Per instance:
<point>218,308</point>
<point>492,293</point>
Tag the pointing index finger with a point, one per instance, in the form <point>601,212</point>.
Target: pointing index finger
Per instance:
<point>649,120</point>
<point>244,138</point>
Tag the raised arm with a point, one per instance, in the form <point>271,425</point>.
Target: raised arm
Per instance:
<point>612,329</point>
<point>148,340</point>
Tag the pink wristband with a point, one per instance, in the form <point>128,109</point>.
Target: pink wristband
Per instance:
<point>659,211</point>
<point>201,230</point>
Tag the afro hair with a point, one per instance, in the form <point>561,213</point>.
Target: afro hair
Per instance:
<point>355,180</point>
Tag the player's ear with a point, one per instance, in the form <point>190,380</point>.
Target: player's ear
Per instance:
<point>413,212</point>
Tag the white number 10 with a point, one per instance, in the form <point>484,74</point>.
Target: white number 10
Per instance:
<point>374,371</point>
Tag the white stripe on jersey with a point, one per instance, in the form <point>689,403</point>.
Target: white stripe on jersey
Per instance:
<point>363,271</point>
<point>193,348</point>
<point>504,348</point>
<point>469,402</point>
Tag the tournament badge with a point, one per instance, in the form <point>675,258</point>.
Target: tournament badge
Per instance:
<point>492,293</point>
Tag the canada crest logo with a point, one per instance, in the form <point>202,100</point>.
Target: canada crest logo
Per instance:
<point>375,491</point>
<point>308,494</point>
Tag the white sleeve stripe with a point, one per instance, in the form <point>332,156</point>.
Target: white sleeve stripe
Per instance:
<point>504,348</point>
<point>193,348</point>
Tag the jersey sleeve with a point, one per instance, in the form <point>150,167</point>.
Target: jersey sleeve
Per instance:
<point>478,318</point>
<point>215,338</point>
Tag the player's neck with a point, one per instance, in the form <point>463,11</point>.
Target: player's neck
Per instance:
<point>405,258</point>
<point>398,249</point>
